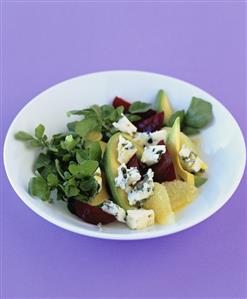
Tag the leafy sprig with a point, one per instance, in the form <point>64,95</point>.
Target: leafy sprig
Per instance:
<point>66,166</point>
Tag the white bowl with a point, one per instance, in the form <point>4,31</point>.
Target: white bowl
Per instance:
<point>222,143</point>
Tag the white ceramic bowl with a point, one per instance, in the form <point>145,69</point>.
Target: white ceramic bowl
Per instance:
<point>222,143</point>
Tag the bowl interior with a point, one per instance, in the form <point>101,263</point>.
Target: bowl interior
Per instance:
<point>221,143</point>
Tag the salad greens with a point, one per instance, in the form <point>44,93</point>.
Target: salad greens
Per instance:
<point>67,165</point>
<point>198,115</point>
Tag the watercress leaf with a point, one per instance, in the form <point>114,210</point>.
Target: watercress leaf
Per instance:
<point>52,180</point>
<point>173,117</point>
<point>116,114</point>
<point>87,184</point>
<point>200,180</point>
<point>23,136</point>
<point>39,131</point>
<point>94,150</point>
<point>190,131</point>
<point>133,117</point>
<point>199,113</point>
<point>69,143</point>
<point>71,125</point>
<point>75,112</point>
<point>97,111</point>
<point>85,126</point>
<point>106,110</point>
<point>70,189</point>
<point>139,107</point>
<point>46,170</point>
<point>43,160</point>
<point>81,155</point>
<point>38,187</point>
<point>86,168</point>
<point>36,143</point>
<point>67,157</point>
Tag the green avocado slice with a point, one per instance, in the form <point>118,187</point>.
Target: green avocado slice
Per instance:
<point>111,165</point>
<point>162,104</point>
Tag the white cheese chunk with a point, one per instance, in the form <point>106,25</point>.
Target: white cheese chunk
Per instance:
<point>111,208</point>
<point>125,149</point>
<point>197,165</point>
<point>127,177</point>
<point>139,219</point>
<point>124,125</point>
<point>150,138</point>
<point>152,154</point>
<point>190,160</point>
<point>142,189</point>
<point>98,178</point>
<point>185,151</point>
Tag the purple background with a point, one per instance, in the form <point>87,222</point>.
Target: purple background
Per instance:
<point>45,43</point>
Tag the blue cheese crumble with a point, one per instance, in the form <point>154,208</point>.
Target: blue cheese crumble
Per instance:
<point>190,160</point>
<point>143,189</point>
<point>148,138</point>
<point>127,177</point>
<point>124,125</point>
<point>152,154</point>
<point>111,208</point>
<point>125,149</point>
<point>139,219</point>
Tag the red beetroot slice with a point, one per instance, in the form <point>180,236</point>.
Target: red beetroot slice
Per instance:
<point>164,169</point>
<point>117,102</point>
<point>88,213</point>
<point>150,124</point>
<point>147,114</point>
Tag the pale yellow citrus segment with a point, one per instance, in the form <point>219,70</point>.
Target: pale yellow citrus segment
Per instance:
<point>101,196</point>
<point>159,202</point>
<point>180,193</point>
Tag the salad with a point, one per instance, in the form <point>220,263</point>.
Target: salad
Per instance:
<point>129,162</point>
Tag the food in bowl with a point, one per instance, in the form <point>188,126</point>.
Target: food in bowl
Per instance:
<point>129,162</point>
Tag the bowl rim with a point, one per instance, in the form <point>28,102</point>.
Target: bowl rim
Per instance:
<point>133,235</point>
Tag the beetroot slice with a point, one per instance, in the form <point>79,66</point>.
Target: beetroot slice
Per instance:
<point>147,114</point>
<point>150,124</point>
<point>164,170</point>
<point>117,102</point>
<point>88,213</point>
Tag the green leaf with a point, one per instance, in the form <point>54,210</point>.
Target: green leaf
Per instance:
<point>52,180</point>
<point>69,143</point>
<point>173,117</point>
<point>86,168</point>
<point>70,188</point>
<point>23,136</point>
<point>81,155</point>
<point>71,125</point>
<point>199,113</point>
<point>139,107</point>
<point>36,143</point>
<point>116,114</point>
<point>38,187</point>
<point>75,112</point>
<point>39,131</point>
<point>190,131</point>
<point>94,150</point>
<point>133,117</point>
<point>85,126</point>
<point>106,110</point>
<point>199,180</point>
<point>42,160</point>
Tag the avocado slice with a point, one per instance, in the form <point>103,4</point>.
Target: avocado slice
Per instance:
<point>101,196</point>
<point>111,165</point>
<point>174,145</point>
<point>162,104</point>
